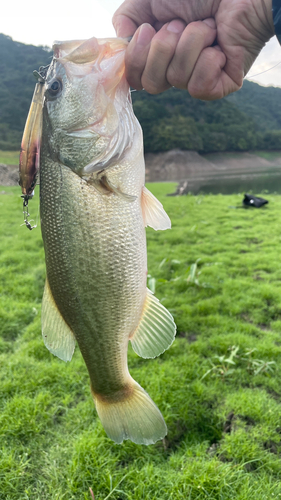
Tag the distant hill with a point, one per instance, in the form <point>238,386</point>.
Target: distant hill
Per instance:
<point>247,120</point>
<point>262,104</point>
<point>174,119</point>
<point>17,61</point>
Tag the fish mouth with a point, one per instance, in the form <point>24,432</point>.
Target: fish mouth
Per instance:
<point>31,143</point>
<point>87,51</point>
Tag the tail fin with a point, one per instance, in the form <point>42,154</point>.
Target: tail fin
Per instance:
<point>135,417</point>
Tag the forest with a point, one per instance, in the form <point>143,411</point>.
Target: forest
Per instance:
<point>247,120</point>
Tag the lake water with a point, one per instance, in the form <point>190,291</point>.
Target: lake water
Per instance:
<point>267,182</point>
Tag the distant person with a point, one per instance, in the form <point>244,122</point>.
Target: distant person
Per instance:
<point>203,46</point>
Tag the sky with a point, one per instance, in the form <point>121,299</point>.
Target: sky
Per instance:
<point>36,23</point>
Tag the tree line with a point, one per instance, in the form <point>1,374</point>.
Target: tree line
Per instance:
<point>176,120</point>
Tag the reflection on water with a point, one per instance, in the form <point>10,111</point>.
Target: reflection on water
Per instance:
<point>255,183</point>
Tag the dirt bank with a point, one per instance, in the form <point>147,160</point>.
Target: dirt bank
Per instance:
<point>176,165</point>
<point>179,165</point>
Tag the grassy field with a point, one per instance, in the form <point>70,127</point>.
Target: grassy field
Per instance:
<point>219,386</point>
<point>9,157</point>
<point>239,155</point>
<point>268,155</point>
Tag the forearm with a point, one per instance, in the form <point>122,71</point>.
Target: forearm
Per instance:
<point>264,12</point>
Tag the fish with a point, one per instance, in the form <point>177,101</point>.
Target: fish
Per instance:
<point>94,208</point>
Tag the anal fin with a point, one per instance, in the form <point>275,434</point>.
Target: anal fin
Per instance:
<point>57,335</point>
<point>153,212</point>
<point>156,330</point>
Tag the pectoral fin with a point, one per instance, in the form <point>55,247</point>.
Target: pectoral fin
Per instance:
<point>156,330</point>
<point>114,189</point>
<point>154,214</point>
<point>104,186</point>
<point>57,336</point>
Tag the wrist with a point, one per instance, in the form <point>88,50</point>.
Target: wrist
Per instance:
<point>264,12</point>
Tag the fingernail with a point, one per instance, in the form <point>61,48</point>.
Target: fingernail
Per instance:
<point>144,34</point>
<point>210,22</point>
<point>176,26</point>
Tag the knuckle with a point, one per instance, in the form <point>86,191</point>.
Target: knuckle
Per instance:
<point>163,48</point>
<point>204,93</point>
<point>199,83</point>
<point>204,88</point>
<point>134,84</point>
<point>132,62</point>
<point>176,77</point>
<point>196,33</point>
<point>192,27</point>
<point>193,31</point>
<point>209,59</point>
<point>152,87</point>
<point>133,73</point>
<point>134,80</point>
<point>195,92</point>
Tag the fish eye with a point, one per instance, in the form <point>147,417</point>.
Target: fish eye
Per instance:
<point>54,88</point>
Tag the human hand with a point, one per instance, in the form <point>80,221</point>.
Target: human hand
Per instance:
<point>204,46</point>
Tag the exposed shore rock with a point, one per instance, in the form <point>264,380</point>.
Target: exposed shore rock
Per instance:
<point>9,175</point>
<point>177,165</point>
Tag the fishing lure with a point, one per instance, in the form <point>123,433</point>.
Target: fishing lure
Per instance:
<point>31,142</point>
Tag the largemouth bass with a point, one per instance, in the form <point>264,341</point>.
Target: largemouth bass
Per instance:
<point>94,209</point>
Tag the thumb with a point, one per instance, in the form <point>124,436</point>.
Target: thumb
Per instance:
<point>123,25</point>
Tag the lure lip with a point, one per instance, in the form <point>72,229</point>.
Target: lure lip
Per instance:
<point>31,141</point>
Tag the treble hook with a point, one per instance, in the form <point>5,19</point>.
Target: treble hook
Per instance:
<point>40,75</point>
<point>26,213</point>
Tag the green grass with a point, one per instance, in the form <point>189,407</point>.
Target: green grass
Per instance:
<point>223,410</point>
<point>9,157</point>
<point>268,155</point>
<point>225,154</point>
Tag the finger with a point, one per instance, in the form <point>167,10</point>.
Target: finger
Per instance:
<point>209,80</point>
<point>130,15</point>
<point>195,38</point>
<point>124,26</point>
<point>161,52</point>
<point>136,55</point>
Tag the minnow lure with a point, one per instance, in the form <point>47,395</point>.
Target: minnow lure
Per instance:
<point>31,142</point>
